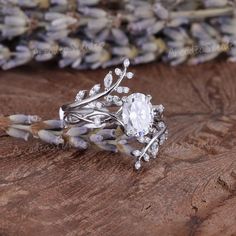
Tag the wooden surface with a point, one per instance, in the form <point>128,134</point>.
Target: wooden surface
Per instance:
<point>189,190</point>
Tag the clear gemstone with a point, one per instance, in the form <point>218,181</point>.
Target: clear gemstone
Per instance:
<point>154,149</point>
<point>162,139</point>
<point>160,108</point>
<point>126,62</point>
<point>125,89</point>
<point>137,114</point>
<point>108,80</point>
<point>109,98</point>
<point>137,165</point>
<point>119,90</point>
<point>130,75</point>
<point>146,157</point>
<point>141,139</point>
<point>118,71</point>
<point>95,89</point>
<point>161,124</point>
<point>136,153</point>
<point>80,95</point>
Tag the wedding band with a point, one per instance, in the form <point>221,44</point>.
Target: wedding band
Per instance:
<point>134,113</point>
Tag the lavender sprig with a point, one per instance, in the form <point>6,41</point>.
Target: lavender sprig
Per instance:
<point>91,34</point>
<point>74,136</point>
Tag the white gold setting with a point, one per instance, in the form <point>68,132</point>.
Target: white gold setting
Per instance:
<point>134,113</point>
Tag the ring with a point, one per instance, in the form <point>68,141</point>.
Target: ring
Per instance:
<point>111,104</point>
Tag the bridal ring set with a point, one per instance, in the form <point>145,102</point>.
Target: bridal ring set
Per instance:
<point>112,104</point>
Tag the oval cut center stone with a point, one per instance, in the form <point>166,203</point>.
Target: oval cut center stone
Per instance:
<point>137,114</point>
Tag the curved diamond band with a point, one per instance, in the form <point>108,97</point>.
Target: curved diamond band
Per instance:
<point>134,113</point>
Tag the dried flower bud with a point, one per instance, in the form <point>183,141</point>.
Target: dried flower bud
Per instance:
<point>50,138</point>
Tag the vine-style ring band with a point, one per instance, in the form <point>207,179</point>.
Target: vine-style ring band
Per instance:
<point>134,113</point>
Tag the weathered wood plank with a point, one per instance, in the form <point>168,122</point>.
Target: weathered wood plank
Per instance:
<point>189,190</point>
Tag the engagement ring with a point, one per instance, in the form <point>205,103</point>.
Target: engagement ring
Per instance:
<point>112,104</point>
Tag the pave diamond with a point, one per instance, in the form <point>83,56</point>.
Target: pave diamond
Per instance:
<point>137,114</point>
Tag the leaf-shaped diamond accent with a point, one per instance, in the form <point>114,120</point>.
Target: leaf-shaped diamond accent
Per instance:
<point>126,63</point>
<point>129,75</point>
<point>94,90</point>
<point>136,153</point>
<point>118,71</point>
<point>137,165</point>
<point>146,157</point>
<point>80,95</point>
<point>108,80</point>
<point>154,149</point>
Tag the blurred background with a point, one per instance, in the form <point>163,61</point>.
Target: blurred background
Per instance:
<point>97,33</point>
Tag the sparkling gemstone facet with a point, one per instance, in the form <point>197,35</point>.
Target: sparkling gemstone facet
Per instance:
<point>137,114</point>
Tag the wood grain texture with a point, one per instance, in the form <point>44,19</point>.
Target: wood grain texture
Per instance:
<point>189,190</point>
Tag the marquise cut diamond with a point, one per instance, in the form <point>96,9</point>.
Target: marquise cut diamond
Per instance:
<point>137,114</point>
